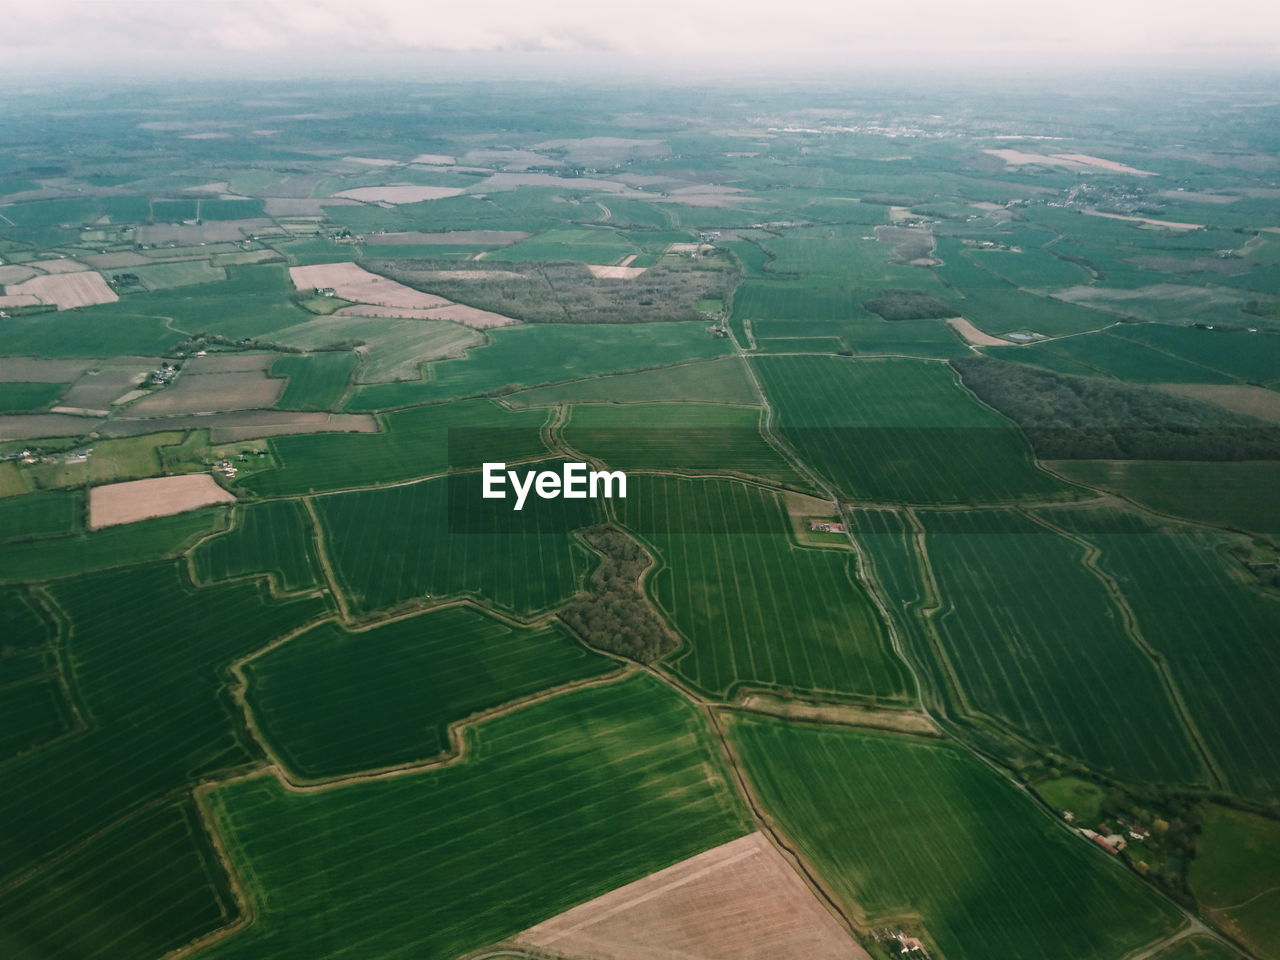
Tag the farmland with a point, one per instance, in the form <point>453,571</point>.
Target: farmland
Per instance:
<point>941,602</point>
<point>885,817</point>
<point>332,702</point>
<point>435,540</point>
<point>899,431</point>
<point>731,621</point>
<point>693,438</point>
<point>488,846</point>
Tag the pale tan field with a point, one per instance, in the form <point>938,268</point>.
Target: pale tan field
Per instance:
<point>509,181</point>
<point>101,386</point>
<point>615,273</point>
<point>40,370</point>
<point>114,261</point>
<point>453,236</point>
<point>434,159</point>
<point>471,275</point>
<point>1255,401</point>
<point>372,161</point>
<point>27,426</point>
<point>230,363</point>
<point>738,901</point>
<point>1199,196</point>
<point>19,300</point>
<point>116,503</point>
<point>191,234</point>
<point>205,136</point>
<point>216,187</point>
<point>358,285</point>
<point>211,393</point>
<point>64,290</point>
<point>303,206</point>
<point>1111,165</point>
<point>472,317</point>
<point>60,265</point>
<point>401,193</point>
<point>1167,224</point>
<point>1018,158</point>
<point>15,273</point>
<point>975,336</point>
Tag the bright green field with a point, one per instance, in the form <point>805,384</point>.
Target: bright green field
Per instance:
<point>899,431</point>
<point>679,437</point>
<point>317,381</point>
<point>425,542</point>
<point>75,333</point>
<point>1250,356</point>
<point>145,887</point>
<point>1082,797</point>
<point>755,609</point>
<point>333,702</point>
<point>1233,494</point>
<point>796,300</point>
<point>902,826</point>
<point>420,442</point>
<point>273,538</point>
<point>555,804</point>
<point>1236,876</point>
<point>584,244</point>
<point>531,354</point>
<point>1110,355</point>
<point>708,381</point>
<point>1004,310</point>
<point>182,273</point>
<point>1056,666</point>
<point>1216,631</point>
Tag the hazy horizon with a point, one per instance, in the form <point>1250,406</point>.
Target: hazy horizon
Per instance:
<point>804,39</point>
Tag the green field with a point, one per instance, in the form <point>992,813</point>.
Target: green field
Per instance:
<point>79,334</point>
<point>1005,310</point>
<point>272,538</point>
<point>754,608</point>
<point>1082,797</point>
<point>584,244</point>
<point>890,821</point>
<point>1230,494</point>
<point>555,804</point>
<point>899,431</point>
<point>31,713</point>
<point>1057,666</point>
<point>148,654</point>
<point>112,546</point>
<point>1198,948</point>
<point>317,381</point>
<point>1236,876</point>
<point>1106,354</point>
<point>680,438</point>
<point>181,273</point>
<point>421,442</point>
<point>796,300</point>
<point>1254,357</point>
<point>332,702</point>
<point>144,887</point>
<point>706,381</point>
<point>528,355</point>
<point>41,514</point>
<point>1188,597</point>
<point>929,339</point>
<point>392,349</point>
<point>26,397</point>
<point>436,540</point>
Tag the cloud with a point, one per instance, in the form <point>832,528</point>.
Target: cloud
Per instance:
<point>696,31</point>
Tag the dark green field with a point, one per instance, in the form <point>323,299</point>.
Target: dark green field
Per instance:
<point>333,702</point>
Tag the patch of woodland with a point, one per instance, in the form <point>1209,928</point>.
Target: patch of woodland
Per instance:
<point>1068,417</point>
<point>899,304</point>
<point>615,615</point>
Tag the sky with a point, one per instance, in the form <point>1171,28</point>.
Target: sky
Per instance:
<point>803,37</point>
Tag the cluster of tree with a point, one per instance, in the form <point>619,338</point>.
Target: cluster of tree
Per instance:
<point>896,304</point>
<point>564,292</point>
<point>615,615</point>
<point>1085,418</point>
<point>202,341</point>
